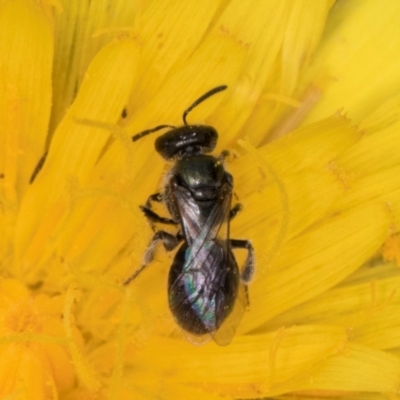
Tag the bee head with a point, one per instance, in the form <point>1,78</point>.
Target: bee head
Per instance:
<point>186,140</point>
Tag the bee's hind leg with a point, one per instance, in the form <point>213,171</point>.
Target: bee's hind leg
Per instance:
<point>247,270</point>
<point>169,241</point>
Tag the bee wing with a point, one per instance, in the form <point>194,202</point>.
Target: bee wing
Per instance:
<point>197,340</point>
<point>198,229</point>
<point>225,333</point>
<point>216,226</point>
<point>220,228</point>
<point>189,212</point>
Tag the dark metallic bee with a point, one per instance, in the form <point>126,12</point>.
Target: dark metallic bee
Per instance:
<point>206,291</point>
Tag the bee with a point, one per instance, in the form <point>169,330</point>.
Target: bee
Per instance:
<point>207,292</point>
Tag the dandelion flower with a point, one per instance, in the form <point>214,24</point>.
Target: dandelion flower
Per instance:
<point>311,117</point>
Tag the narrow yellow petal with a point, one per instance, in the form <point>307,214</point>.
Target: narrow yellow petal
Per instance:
<point>293,34</point>
<point>358,368</point>
<point>252,367</point>
<point>385,115</point>
<point>77,44</point>
<point>369,311</point>
<point>26,47</point>
<point>315,261</point>
<point>313,146</point>
<point>75,148</point>
<point>345,67</point>
<point>165,50</point>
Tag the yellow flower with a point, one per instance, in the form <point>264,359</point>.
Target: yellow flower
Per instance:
<point>311,117</point>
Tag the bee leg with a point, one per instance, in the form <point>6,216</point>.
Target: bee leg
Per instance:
<point>236,208</point>
<point>158,197</point>
<point>169,241</point>
<point>154,217</point>
<point>223,155</point>
<point>248,266</point>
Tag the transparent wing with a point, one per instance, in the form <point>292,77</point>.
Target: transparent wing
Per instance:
<point>189,212</point>
<point>225,333</point>
<point>199,230</point>
<point>207,250</point>
<point>198,227</point>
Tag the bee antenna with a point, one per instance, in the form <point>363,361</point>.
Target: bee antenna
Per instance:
<point>201,99</point>
<point>148,131</point>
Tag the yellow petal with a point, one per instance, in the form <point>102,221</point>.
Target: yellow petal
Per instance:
<point>368,309</point>
<point>357,64</point>
<point>26,47</point>
<point>317,260</point>
<point>102,97</point>
<point>358,368</point>
<point>252,366</point>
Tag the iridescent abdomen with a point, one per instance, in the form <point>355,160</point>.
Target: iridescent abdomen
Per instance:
<point>203,287</point>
